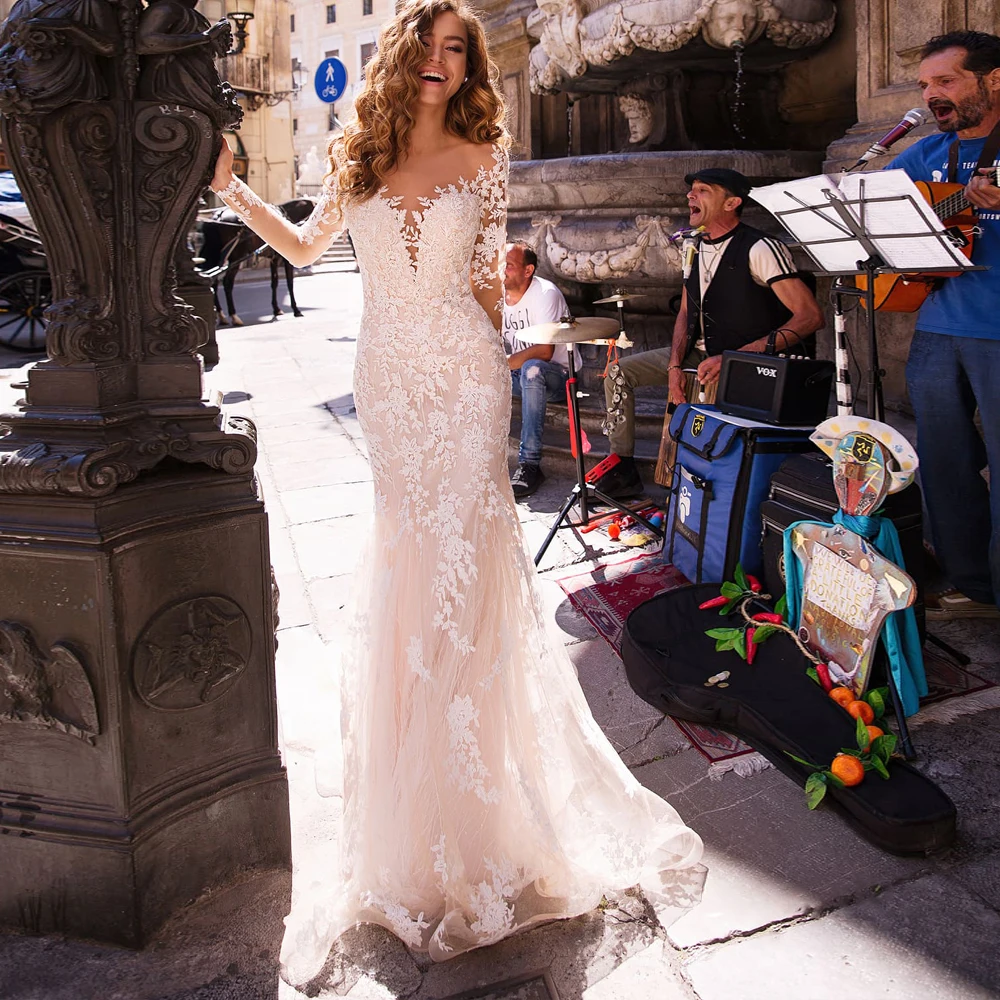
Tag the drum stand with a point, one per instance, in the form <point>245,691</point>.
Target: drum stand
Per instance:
<point>583,493</point>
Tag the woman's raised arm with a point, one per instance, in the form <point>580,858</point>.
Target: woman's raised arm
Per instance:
<point>299,245</point>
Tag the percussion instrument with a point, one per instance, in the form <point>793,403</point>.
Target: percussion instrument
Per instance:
<point>571,330</point>
<point>619,297</point>
<point>579,330</point>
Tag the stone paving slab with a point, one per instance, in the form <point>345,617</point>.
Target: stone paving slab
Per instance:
<point>332,547</point>
<point>925,939</point>
<point>320,503</point>
<point>769,859</point>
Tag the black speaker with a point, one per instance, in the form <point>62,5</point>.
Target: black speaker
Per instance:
<point>774,389</point>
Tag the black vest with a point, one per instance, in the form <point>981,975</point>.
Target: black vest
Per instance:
<point>737,310</point>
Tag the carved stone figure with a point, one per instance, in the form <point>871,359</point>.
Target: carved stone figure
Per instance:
<point>311,170</point>
<point>639,113</point>
<point>44,692</point>
<point>734,23</point>
<point>577,34</point>
<point>50,54</point>
<point>558,57</point>
<point>179,47</point>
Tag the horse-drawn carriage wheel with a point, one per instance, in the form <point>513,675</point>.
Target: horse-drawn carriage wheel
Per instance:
<point>23,299</point>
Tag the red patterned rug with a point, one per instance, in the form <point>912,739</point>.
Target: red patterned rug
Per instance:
<point>607,594</point>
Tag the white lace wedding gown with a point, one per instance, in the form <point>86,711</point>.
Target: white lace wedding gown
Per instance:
<point>479,794</point>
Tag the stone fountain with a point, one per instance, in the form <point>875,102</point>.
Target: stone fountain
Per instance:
<point>614,102</point>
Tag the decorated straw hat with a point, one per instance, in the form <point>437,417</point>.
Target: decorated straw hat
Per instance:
<point>831,432</point>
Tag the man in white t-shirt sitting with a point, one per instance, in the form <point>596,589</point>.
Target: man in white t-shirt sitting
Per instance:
<point>538,371</point>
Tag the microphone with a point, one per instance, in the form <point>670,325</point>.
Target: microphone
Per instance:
<point>909,121</point>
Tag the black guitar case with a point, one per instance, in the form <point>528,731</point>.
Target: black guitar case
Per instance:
<point>775,707</point>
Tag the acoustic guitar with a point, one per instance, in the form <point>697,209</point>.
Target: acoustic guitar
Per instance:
<point>907,292</point>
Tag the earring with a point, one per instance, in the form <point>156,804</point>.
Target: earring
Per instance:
<point>466,80</point>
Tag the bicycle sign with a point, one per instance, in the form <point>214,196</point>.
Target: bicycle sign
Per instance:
<point>330,80</point>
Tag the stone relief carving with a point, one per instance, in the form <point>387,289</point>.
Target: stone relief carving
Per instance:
<point>191,653</point>
<point>80,327</point>
<point>602,265</point>
<point>638,112</point>
<point>44,692</point>
<point>576,34</point>
<point>49,53</point>
<point>74,470</point>
<point>112,197</point>
<point>178,46</point>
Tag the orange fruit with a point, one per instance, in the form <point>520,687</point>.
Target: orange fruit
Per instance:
<point>874,733</point>
<point>842,696</point>
<point>849,769</point>
<point>862,710</point>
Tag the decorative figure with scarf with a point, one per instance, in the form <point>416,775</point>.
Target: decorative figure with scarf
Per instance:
<point>846,587</point>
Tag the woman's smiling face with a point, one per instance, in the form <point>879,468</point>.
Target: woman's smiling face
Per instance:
<point>443,70</point>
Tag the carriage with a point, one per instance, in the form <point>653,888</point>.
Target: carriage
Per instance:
<point>25,283</point>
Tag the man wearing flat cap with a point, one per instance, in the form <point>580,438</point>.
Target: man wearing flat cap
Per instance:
<point>740,287</point>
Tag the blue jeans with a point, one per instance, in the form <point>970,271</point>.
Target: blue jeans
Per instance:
<point>536,381</point>
<point>948,379</point>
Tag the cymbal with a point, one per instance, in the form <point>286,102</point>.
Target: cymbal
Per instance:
<point>620,297</point>
<point>579,330</point>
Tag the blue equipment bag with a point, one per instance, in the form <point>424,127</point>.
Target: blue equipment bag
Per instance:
<point>722,475</point>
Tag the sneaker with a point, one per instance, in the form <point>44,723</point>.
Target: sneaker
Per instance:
<point>621,481</point>
<point>952,603</point>
<point>526,480</point>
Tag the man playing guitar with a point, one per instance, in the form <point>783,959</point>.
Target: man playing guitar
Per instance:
<point>954,362</point>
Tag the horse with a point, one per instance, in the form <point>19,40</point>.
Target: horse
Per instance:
<point>228,243</point>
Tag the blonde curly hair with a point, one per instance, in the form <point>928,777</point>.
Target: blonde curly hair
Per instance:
<point>373,141</point>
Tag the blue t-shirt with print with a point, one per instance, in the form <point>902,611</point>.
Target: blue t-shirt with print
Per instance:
<point>969,305</point>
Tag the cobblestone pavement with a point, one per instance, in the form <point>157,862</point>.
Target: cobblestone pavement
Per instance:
<point>796,905</point>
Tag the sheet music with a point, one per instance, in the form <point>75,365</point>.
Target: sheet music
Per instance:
<point>790,202</point>
<point>804,207</point>
<point>902,217</point>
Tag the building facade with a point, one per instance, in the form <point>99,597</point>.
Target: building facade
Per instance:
<point>347,29</point>
<point>262,77</point>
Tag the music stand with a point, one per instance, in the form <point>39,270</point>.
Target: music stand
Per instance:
<point>868,224</point>
<point>583,493</point>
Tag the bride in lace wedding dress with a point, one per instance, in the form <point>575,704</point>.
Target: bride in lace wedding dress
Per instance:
<point>479,795</point>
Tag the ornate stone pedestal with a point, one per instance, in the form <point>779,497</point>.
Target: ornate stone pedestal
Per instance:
<point>138,735</point>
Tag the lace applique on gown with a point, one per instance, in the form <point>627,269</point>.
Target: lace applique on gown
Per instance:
<point>479,794</point>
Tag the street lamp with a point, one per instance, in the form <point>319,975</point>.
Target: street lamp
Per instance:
<point>240,13</point>
<point>299,73</point>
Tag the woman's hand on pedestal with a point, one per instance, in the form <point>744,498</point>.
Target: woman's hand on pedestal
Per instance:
<point>223,175</point>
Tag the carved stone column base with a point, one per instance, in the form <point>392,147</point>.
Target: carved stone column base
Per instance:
<point>138,727</point>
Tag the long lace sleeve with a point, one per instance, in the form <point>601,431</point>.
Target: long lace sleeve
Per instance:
<point>298,244</point>
<point>487,258</point>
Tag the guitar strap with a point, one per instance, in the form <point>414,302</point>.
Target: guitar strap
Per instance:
<point>986,159</point>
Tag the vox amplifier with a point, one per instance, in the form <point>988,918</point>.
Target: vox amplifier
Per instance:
<point>775,389</point>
